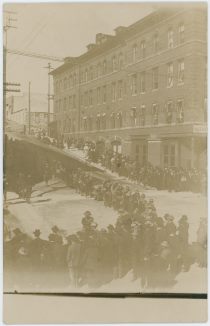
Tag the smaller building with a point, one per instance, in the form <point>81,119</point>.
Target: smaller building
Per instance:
<point>17,110</point>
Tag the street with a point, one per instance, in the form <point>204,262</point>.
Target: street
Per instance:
<point>50,205</point>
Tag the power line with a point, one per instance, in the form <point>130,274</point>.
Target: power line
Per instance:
<point>34,55</point>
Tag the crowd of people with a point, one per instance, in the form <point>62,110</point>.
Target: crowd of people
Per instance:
<point>154,248</point>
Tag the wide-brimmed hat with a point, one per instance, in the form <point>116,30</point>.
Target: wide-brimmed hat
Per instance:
<point>17,231</point>
<point>55,228</point>
<point>87,213</point>
<point>37,232</point>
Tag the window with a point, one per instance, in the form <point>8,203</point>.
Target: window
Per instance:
<point>173,155</point>
<point>74,101</point>
<point>113,92</point>
<point>181,71</point>
<point>114,63</point>
<point>156,43</point>
<point>134,54</point>
<point>70,102</point>
<point>90,123</point>
<point>120,61</point>
<point>103,121</point>
<point>86,75</point>
<point>74,79</point>
<point>144,154</point>
<point>169,112</point>
<point>91,97</point>
<point>91,73</point>
<point>98,121</point>
<point>143,49</point>
<point>142,115</point>
<point>119,118</point>
<point>170,38</point>
<point>112,120</point>
<point>142,82</point>
<point>180,111</point>
<point>170,77</point>
<point>104,67</point>
<point>85,123</point>
<point>165,155</point>
<point>104,94</point>
<point>134,84</point>
<point>155,78</point>
<point>181,33</point>
<point>65,83</point>
<point>120,89</point>
<point>98,69</point>
<point>98,95</point>
<point>64,104</point>
<point>86,99</point>
<point>155,114</point>
<point>133,114</point>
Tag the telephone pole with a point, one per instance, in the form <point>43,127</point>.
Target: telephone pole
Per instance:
<point>7,25</point>
<point>49,97</point>
<point>29,108</point>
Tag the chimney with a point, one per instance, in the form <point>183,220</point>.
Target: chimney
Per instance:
<point>101,38</point>
<point>90,46</point>
<point>119,29</point>
<point>69,59</point>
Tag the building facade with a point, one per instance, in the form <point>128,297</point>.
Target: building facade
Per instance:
<point>142,92</point>
<point>17,111</point>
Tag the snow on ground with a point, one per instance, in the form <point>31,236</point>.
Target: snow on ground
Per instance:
<point>63,208</point>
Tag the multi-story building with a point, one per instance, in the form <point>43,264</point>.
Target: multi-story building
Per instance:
<point>17,111</point>
<point>143,91</point>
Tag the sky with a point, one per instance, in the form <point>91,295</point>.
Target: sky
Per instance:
<point>60,30</point>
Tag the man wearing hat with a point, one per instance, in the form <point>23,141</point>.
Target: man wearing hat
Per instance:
<point>74,259</point>
<point>37,251</point>
<point>55,236</point>
<point>170,227</point>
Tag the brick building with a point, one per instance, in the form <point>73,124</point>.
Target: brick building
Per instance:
<point>17,111</point>
<point>142,91</point>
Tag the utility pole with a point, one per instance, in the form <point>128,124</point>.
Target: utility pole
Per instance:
<point>49,97</point>
<point>29,108</point>
<point>7,25</point>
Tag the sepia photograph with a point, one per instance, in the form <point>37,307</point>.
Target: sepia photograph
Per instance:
<point>105,148</point>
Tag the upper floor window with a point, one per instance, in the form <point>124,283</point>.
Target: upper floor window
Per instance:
<point>142,82</point>
<point>133,114</point>
<point>155,78</point>
<point>91,97</point>
<point>104,67</point>
<point>74,101</point>
<point>113,92</point>
<point>180,111</point>
<point>120,61</point>
<point>155,114</point>
<point>181,33</point>
<point>120,119</point>
<point>156,43</point>
<point>86,99</point>
<point>142,115</point>
<point>169,112</point>
<point>91,73</point>
<point>134,54</point>
<point>120,89</point>
<point>134,84</point>
<point>65,83</point>
<point>98,69</point>
<point>104,94</point>
<point>74,79</point>
<point>181,71</point>
<point>98,95</point>
<point>86,75</point>
<point>70,102</point>
<point>112,120</point>
<point>170,74</point>
<point>114,63</point>
<point>143,49</point>
<point>60,85</point>
<point>64,104</point>
<point>170,38</point>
